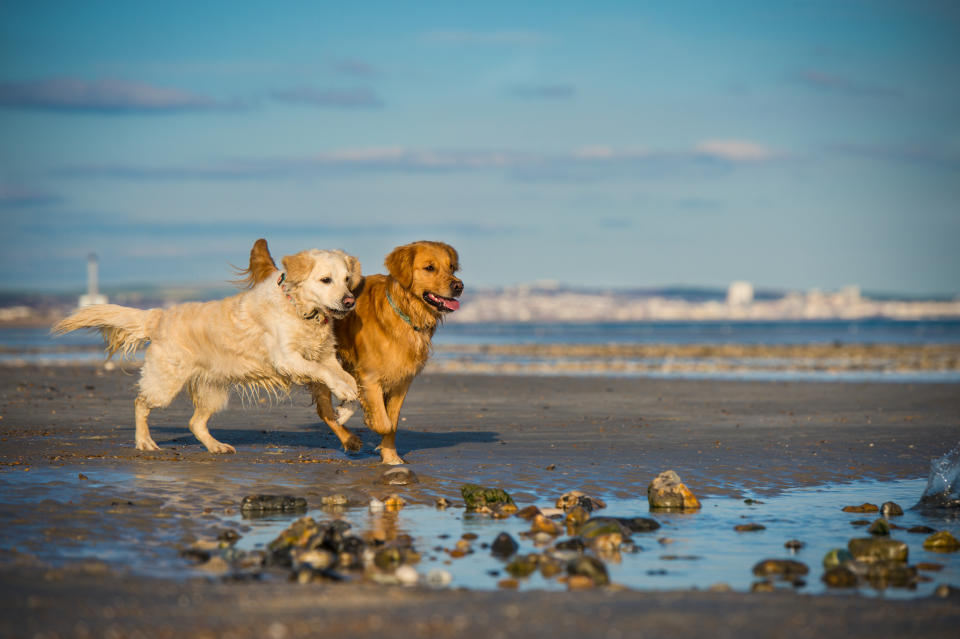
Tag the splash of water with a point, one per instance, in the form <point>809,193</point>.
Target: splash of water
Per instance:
<point>943,486</point>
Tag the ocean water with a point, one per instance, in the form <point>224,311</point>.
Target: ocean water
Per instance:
<point>456,348</point>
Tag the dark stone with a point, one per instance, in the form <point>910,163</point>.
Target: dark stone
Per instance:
<point>398,476</point>
<point>228,535</point>
<point>925,530</point>
<point>941,541</point>
<point>862,508</point>
<point>894,574</point>
<point>880,528</point>
<point>840,577</point>
<point>860,522</point>
<point>596,526</point>
<point>504,546</point>
<point>253,505</point>
<point>574,543</point>
<point>639,524</point>
<point>794,544</point>
<point>751,527</point>
<point>876,549</point>
<point>890,509</point>
<point>589,567</point>
<point>782,568</point>
<point>523,566</point>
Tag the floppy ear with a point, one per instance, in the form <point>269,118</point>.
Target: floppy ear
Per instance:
<point>260,267</point>
<point>400,264</point>
<point>355,281</point>
<point>298,266</point>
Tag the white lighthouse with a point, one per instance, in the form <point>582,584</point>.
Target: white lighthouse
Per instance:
<point>93,295</point>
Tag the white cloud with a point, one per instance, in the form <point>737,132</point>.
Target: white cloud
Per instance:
<point>734,150</point>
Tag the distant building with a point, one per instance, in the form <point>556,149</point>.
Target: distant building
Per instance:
<point>93,295</point>
<point>740,294</point>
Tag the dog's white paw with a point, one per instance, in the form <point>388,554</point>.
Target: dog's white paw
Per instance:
<point>147,444</point>
<point>346,410</point>
<point>346,392</point>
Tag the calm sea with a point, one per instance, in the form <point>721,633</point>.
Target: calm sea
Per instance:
<point>35,345</point>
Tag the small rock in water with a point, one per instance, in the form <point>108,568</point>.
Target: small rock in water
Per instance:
<point>438,578</point>
<point>794,544</point>
<point>254,504</point>
<point>398,476</point>
<point>941,541</point>
<point>589,567</point>
<point>925,530</point>
<point>477,497</point>
<point>763,586</point>
<point>407,575</point>
<point>883,574</point>
<point>580,582</point>
<point>542,524</point>
<point>443,503</point>
<point>508,584</point>
<point>751,527</point>
<point>574,544</point>
<point>376,506</point>
<point>880,528</point>
<point>890,509</point>
<point>523,566</point>
<point>836,557</point>
<point>860,522</point>
<point>874,549</point>
<point>504,546</point>
<point>334,500</point>
<point>597,526</point>
<point>639,524</point>
<point>787,569</point>
<point>528,513</point>
<point>394,502</point>
<point>862,508</point>
<point>576,498</point>
<point>840,577</point>
<point>667,491</point>
<point>576,516</point>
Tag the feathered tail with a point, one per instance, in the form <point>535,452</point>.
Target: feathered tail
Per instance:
<point>124,329</point>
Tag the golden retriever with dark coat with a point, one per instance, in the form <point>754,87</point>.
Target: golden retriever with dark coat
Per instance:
<point>385,342</point>
<point>276,334</point>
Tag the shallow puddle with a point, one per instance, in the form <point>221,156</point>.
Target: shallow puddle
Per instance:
<point>695,550</point>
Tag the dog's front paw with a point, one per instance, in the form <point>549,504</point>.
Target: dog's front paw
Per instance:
<point>346,392</point>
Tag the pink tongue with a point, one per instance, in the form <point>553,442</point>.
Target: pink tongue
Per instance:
<point>453,305</point>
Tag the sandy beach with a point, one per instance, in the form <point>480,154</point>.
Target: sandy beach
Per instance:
<point>71,477</point>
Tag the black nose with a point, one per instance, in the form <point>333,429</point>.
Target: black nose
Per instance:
<point>456,287</point>
<point>348,301</point>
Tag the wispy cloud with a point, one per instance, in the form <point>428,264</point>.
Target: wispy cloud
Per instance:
<point>543,91</point>
<point>734,150</point>
<point>103,96</point>
<point>824,81</point>
<point>586,162</point>
<point>330,98</point>
<point>500,37</point>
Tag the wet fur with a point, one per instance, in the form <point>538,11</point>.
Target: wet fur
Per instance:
<point>374,344</point>
<point>266,338</point>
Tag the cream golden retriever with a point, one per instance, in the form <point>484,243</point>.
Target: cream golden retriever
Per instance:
<point>276,334</point>
<point>385,342</point>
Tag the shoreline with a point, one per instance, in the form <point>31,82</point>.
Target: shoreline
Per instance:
<point>536,437</point>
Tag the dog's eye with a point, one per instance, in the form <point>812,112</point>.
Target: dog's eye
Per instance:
<point>326,280</point>
<point>429,267</point>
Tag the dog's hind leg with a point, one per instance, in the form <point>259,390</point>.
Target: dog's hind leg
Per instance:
<point>160,381</point>
<point>321,397</point>
<point>207,400</point>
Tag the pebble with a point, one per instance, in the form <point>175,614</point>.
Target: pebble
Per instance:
<point>476,497</point>
<point>891,509</point>
<point>668,492</point>
<point>929,566</point>
<point>580,582</point>
<point>443,503</point>
<point>608,543</point>
<point>751,527</point>
<point>376,506</point>
<point>862,508</point>
<point>597,526</point>
<point>528,513</point>
<point>925,530</point>
<point>639,524</point>
<point>438,578</point>
<point>523,566</point>
<point>840,577</point>
<point>545,525</point>
<point>781,568</point>
<point>503,546</point>
<point>794,544</point>
<point>576,516</point>
<point>398,476</point>
<point>509,584</point>
<point>394,502</point>
<point>589,567</point>
<point>334,500</point>
<point>407,575</point>
<point>941,541</point>
<point>880,528</point>
<point>875,549</point>
<point>763,586</point>
<point>836,557</point>
<point>860,522</point>
<point>576,498</point>
<point>253,504</point>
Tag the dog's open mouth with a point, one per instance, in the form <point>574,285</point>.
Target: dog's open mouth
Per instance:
<point>442,304</point>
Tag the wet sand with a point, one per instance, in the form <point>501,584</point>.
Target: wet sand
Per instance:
<point>71,480</point>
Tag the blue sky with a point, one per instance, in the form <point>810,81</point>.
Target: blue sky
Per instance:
<point>605,144</point>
